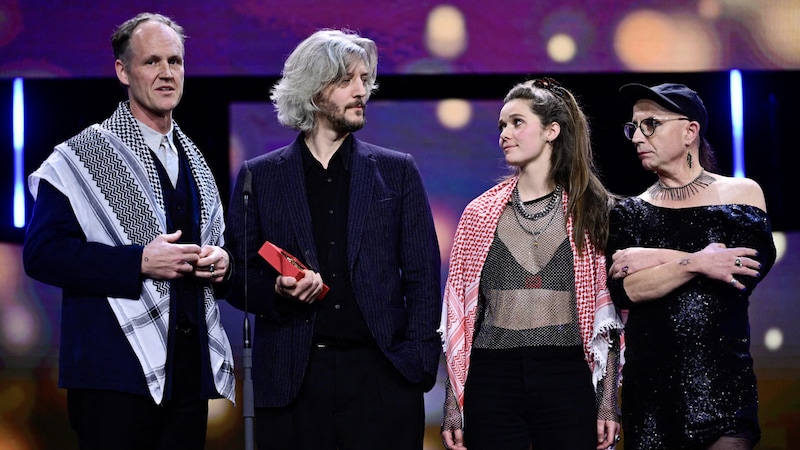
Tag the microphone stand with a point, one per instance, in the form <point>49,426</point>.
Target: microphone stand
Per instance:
<point>248,410</point>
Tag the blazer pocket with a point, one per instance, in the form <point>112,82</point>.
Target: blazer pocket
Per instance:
<point>386,219</point>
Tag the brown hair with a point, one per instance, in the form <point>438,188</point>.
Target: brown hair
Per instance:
<point>573,165</point>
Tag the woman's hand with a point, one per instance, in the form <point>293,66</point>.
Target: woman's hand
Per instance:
<point>453,439</point>
<point>607,433</point>
<point>718,262</point>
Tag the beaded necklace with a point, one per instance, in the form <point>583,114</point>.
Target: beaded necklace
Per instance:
<point>519,210</point>
<point>537,215</point>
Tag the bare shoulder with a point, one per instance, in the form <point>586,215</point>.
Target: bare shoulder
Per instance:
<point>738,190</point>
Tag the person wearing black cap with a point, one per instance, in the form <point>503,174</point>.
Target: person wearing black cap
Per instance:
<point>683,258</point>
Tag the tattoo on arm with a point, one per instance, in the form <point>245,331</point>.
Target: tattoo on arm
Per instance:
<point>684,262</point>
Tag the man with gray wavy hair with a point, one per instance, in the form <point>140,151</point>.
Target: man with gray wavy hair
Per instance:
<point>346,345</point>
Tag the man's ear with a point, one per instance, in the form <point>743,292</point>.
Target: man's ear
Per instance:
<point>692,132</point>
<point>122,74</point>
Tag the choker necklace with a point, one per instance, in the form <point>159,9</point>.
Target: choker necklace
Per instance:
<point>536,233</point>
<point>550,209</point>
<point>661,192</point>
<point>520,208</point>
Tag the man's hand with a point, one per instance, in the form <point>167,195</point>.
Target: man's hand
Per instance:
<point>163,259</point>
<point>213,264</point>
<point>305,290</point>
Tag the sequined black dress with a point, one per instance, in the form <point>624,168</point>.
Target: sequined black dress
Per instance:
<point>688,376</point>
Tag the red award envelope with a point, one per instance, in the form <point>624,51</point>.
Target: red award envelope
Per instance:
<point>286,263</point>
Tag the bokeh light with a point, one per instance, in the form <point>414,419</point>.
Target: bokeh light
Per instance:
<point>561,48</point>
<point>222,417</point>
<point>15,398</point>
<point>12,439</point>
<point>777,32</point>
<point>444,221</point>
<point>454,113</point>
<point>445,32</point>
<point>16,405</point>
<point>20,329</point>
<point>779,238</point>
<point>650,40</point>
<point>773,339</point>
<point>20,324</point>
<point>709,9</point>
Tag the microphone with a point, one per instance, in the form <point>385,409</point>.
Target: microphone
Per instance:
<point>248,410</point>
<point>247,188</point>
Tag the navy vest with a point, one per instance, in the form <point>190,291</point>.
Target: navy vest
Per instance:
<point>182,206</point>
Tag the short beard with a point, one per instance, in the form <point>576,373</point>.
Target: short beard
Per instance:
<point>337,120</point>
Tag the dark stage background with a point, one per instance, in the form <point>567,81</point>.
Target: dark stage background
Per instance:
<point>443,71</point>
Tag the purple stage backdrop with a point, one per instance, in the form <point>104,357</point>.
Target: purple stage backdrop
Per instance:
<point>44,38</point>
<point>454,141</point>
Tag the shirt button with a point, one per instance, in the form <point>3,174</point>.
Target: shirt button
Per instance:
<point>338,306</point>
<point>330,211</point>
<point>330,180</point>
<point>332,242</point>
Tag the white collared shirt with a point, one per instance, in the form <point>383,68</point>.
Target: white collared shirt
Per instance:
<point>153,140</point>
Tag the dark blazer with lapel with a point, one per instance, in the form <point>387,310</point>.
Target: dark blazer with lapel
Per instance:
<point>393,255</point>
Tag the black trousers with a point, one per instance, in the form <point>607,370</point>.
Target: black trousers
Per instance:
<point>105,419</point>
<point>351,399</point>
<point>529,398</point>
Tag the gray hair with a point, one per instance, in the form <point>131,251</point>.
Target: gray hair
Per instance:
<point>121,39</point>
<point>319,61</point>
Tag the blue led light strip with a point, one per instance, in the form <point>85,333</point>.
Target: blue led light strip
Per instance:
<point>19,153</point>
<point>737,122</point>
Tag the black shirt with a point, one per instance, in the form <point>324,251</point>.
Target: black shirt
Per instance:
<point>338,316</point>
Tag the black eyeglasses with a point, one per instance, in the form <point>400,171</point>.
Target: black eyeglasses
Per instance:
<point>648,126</point>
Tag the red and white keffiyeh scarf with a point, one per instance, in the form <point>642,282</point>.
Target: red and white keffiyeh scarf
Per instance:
<point>474,235</point>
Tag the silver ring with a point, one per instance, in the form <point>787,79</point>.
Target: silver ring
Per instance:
<point>732,282</point>
<point>211,269</point>
<point>738,262</point>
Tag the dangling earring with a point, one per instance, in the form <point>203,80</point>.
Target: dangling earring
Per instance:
<point>689,159</point>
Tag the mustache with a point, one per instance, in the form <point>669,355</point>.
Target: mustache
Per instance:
<point>357,103</point>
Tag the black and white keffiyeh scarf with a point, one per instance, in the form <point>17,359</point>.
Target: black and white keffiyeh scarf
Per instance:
<point>108,173</point>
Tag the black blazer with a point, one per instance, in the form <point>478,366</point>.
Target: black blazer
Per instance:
<point>393,254</point>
